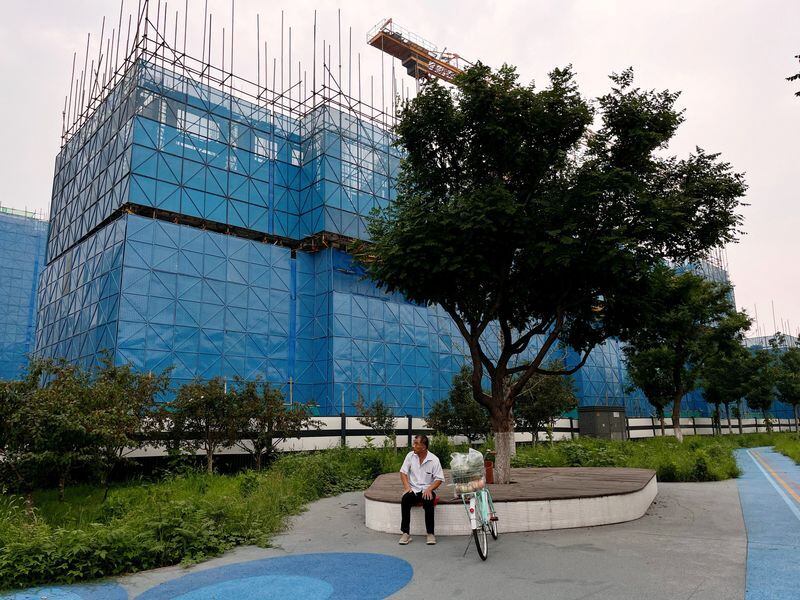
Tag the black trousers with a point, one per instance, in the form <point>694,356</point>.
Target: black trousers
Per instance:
<point>411,499</point>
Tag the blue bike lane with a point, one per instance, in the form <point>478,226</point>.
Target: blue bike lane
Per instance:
<point>769,489</point>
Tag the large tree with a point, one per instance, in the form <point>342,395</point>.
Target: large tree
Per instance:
<point>688,321</point>
<point>648,370</point>
<point>788,381</point>
<point>761,384</point>
<point>724,379</point>
<point>511,211</point>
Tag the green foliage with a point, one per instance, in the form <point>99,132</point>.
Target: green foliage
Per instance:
<point>440,445</point>
<point>264,420</point>
<point>379,416</point>
<point>698,459</point>
<point>790,446</point>
<point>510,211</point>
<point>688,320</point>
<point>204,416</point>
<point>543,400</point>
<point>459,413</point>
<point>61,417</point>
<point>724,377</point>
<point>760,390</point>
<point>788,379</point>
<point>183,519</point>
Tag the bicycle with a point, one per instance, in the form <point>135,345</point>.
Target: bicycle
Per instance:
<point>482,518</point>
<point>469,481</point>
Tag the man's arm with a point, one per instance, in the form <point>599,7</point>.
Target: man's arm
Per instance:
<point>404,474</point>
<point>406,485</point>
<point>438,475</point>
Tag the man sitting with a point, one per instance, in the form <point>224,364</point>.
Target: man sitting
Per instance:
<point>421,474</point>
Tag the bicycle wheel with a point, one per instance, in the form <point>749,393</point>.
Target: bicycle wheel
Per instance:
<point>492,516</point>
<point>481,542</point>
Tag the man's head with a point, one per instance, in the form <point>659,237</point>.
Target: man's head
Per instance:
<point>420,443</point>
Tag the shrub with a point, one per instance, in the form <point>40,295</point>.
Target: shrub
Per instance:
<point>440,445</point>
<point>182,519</point>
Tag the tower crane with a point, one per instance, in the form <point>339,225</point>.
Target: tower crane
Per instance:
<point>421,59</point>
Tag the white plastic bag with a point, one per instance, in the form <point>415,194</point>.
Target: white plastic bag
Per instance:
<point>466,467</point>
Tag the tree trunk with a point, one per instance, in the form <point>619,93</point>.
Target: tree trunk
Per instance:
<point>503,430</point>
<point>210,460</point>
<point>717,421</point>
<point>797,418</point>
<point>728,415</point>
<point>258,454</point>
<point>105,482</point>
<point>663,427</point>
<point>62,486</point>
<point>767,424</point>
<point>676,417</point>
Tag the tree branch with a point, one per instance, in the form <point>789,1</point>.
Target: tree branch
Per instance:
<point>569,371</point>
<point>479,359</point>
<point>519,385</point>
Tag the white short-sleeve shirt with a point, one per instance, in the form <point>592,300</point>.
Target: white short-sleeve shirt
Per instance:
<point>421,475</point>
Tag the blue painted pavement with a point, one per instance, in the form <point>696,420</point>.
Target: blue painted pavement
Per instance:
<point>769,489</point>
<point>324,576</point>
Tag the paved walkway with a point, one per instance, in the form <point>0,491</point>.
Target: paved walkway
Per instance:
<point>770,495</point>
<point>690,544</point>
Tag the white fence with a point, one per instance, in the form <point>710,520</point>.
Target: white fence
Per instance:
<point>340,430</point>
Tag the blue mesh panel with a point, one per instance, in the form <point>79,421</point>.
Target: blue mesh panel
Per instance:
<point>160,295</point>
<point>22,254</point>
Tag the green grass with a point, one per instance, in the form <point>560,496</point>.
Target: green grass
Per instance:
<point>189,517</point>
<point>790,446</point>
<point>699,458</point>
<point>182,519</point>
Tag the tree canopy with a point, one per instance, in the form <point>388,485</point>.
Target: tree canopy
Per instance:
<point>688,320</point>
<point>724,378</point>
<point>788,381</point>
<point>511,210</point>
<point>459,413</point>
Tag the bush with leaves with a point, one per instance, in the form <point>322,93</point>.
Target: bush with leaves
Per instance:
<point>378,415</point>
<point>61,417</point>
<point>122,411</point>
<point>203,416</point>
<point>543,400</point>
<point>48,428</point>
<point>264,420</point>
<point>459,413</point>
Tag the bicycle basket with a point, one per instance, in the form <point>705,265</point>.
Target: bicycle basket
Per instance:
<point>466,470</point>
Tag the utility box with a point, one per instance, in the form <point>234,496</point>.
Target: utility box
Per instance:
<point>606,422</point>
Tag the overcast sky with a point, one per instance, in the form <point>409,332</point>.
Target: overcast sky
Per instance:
<point>729,58</point>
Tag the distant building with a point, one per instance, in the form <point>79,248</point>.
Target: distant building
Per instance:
<point>23,238</point>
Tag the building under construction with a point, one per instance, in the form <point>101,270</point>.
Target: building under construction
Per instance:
<point>23,235</point>
<point>200,222</point>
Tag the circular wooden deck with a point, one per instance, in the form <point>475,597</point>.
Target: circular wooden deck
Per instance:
<point>539,498</point>
<point>533,484</point>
